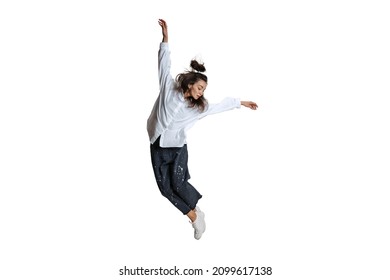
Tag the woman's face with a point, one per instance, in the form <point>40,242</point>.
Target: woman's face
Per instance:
<point>196,90</point>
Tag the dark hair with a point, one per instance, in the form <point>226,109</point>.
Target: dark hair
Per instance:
<point>187,78</point>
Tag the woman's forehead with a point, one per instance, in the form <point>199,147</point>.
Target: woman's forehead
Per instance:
<point>201,83</point>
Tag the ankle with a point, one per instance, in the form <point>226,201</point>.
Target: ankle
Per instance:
<point>192,216</point>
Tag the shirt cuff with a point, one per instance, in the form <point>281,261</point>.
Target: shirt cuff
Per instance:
<point>238,100</point>
<point>164,45</point>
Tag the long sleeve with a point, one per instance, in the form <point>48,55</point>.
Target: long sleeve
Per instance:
<point>164,66</point>
<point>169,101</point>
<point>228,103</point>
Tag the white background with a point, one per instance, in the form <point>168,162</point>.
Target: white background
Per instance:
<point>299,185</point>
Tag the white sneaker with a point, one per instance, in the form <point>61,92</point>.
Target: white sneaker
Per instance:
<point>199,225</point>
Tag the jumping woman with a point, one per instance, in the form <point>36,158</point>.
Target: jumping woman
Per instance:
<point>179,105</point>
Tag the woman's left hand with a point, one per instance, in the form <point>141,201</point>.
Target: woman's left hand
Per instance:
<point>249,104</point>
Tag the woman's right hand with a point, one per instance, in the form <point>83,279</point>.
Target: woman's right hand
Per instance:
<point>164,28</point>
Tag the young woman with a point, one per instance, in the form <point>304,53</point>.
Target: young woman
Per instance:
<point>180,104</point>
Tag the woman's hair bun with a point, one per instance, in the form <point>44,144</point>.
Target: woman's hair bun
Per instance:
<point>197,66</point>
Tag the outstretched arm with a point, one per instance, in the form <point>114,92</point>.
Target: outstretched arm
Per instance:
<point>250,104</point>
<point>164,28</point>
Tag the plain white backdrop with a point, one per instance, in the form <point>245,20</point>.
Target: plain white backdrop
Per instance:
<point>300,185</point>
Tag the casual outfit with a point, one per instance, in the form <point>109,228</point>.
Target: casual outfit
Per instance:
<point>169,120</point>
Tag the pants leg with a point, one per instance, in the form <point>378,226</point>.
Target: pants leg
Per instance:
<point>172,175</point>
<point>180,178</point>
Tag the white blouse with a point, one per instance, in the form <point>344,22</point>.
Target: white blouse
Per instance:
<point>171,117</point>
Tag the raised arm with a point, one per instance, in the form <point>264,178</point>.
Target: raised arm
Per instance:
<point>164,28</point>
<point>164,62</point>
